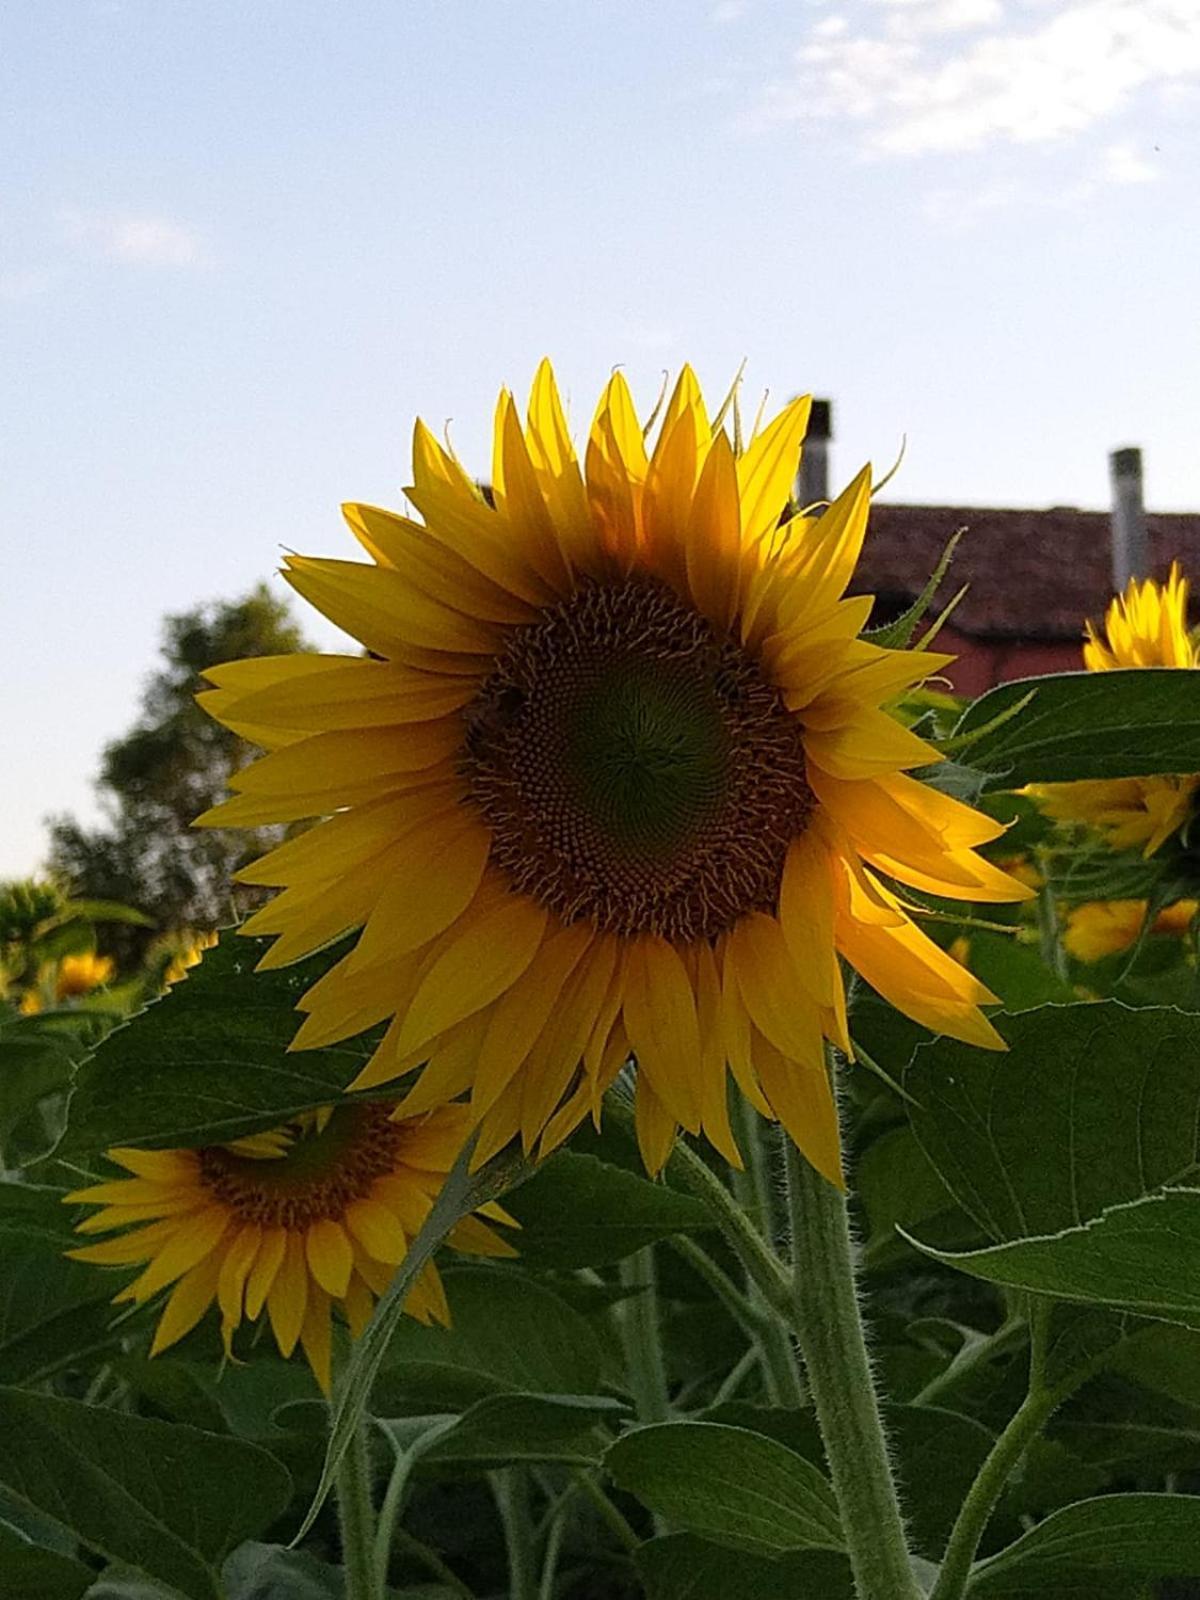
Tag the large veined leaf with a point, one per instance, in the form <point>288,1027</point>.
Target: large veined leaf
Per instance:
<point>683,1566</point>
<point>505,1428</point>
<point>165,1498</point>
<point>51,1309</point>
<point>1121,1537</point>
<point>1085,725</point>
<point>738,1488</point>
<point>210,1060</point>
<point>1090,1106</point>
<point>1074,1151</point>
<point>1140,1257</point>
<point>508,1334</point>
<point>577,1211</point>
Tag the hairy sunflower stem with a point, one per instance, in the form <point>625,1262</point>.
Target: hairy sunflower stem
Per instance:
<point>1041,1401</point>
<point>641,1336</point>
<point>356,1519</point>
<point>511,1489</point>
<point>609,1513</point>
<point>754,1188</point>
<point>828,1325</point>
<point>762,1266</point>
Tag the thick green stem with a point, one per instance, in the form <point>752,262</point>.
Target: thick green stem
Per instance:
<point>356,1519</point>
<point>511,1489</point>
<point>642,1337</point>
<point>829,1327</point>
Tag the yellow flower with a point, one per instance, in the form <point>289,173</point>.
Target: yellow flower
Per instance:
<point>188,957</point>
<point>621,784</point>
<point>1144,627</point>
<point>294,1221</point>
<point>1100,928</point>
<point>81,974</point>
<point>30,1003</point>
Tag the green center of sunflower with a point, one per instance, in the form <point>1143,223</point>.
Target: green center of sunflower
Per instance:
<point>317,1175</point>
<point>635,769</point>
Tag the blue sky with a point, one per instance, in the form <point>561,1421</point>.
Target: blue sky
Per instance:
<point>243,244</point>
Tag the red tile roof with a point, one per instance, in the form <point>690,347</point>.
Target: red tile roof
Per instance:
<point>1032,574</point>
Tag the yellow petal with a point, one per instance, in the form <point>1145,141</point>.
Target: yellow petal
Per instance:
<point>870,745</point>
<point>186,1304</point>
<point>802,1099</point>
<point>655,1127</point>
<point>362,694</point>
<point>267,1262</point>
<point>288,1296</point>
<point>521,1014</point>
<point>768,468</point>
<point>713,545</point>
<point>768,982</point>
<point>330,1258</point>
<point>382,610</point>
<point>316,1338</point>
<point>240,1256</point>
<point>438,571</point>
<point>431,885</point>
<point>483,961</point>
<point>660,1016</point>
<point>195,1240</point>
<point>376,1229</point>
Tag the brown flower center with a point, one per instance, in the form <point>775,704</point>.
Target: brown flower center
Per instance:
<point>318,1177</point>
<point>636,770</point>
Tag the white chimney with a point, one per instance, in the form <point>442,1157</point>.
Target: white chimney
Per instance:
<point>1130,558</point>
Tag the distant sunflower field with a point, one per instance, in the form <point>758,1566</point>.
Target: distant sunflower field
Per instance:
<point>681,1105</point>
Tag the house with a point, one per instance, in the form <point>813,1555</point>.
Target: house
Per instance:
<point>1033,577</point>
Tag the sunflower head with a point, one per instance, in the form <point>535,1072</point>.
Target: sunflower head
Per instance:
<point>1144,627</point>
<point>297,1221</point>
<point>622,783</point>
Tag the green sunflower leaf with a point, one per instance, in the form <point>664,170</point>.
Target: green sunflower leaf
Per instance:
<point>1075,1152</point>
<point>52,1311</point>
<point>1089,1550</point>
<point>682,1566</point>
<point>1084,725</point>
<point>210,1060</point>
<point>738,1488</point>
<point>1139,1257</point>
<point>169,1500</point>
<point>578,1211</point>
<point>28,1572</point>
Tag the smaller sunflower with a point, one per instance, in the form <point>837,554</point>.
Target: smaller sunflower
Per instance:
<point>1102,928</point>
<point>1144,627</point>
<point>299,1219</point>
<point>80,974</point>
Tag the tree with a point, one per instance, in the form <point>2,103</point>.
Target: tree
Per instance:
<point>172,764</point>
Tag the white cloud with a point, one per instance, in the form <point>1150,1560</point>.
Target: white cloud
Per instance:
<point>142,241</point>
<point>923,76</point>
<point>1122,163</point>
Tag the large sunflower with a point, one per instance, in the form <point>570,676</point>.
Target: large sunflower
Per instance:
<point>1144,627</point>
<point>621,783</point>
<point>315,1214</point>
